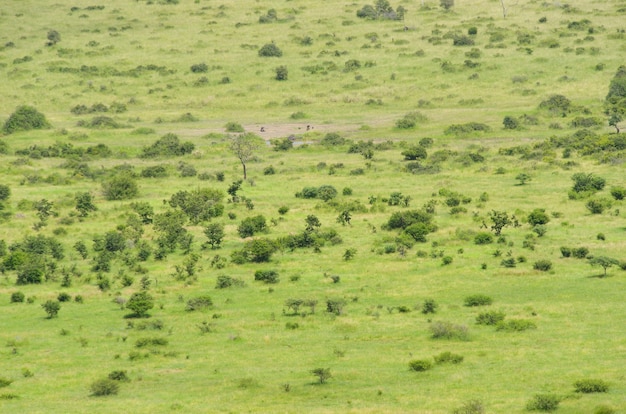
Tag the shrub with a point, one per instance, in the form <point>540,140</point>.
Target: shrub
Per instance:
<point>420,365</point>
<point>17,297</point>
<point>587,183</point>
<point>490,318</point>
<point>557,104</point>
<point>282,74</point>
<point>598,205</point>
<point>543,265</point>
<point>64,297</point>
<point>618,193</point>
<point>168,145</point>
<point>234,127</point>
<point>199,68</point>
<point>448,358</point>
<point>224,281</point>
<point>468,128</point>
<point>198,303</point>
<point>266,276</point>
<point>448,330</point>
<point>270,50</point>
<point>580,252</point>
<point>140,303</point>
<point>52,308</point>
<point>429,306</point>
<point>120,376</point>
<point>104,387</point>
<point>416,152</point>
<point>477,300</point>
<point>510,122</point>
<point>470,407</point>
<point>120,187</point>
<point>566,251</point>
<point>538,216</point>
<point>543,402</point>
<point>25,118</point>
<point>335,306</point>
<point>410,120</point>
<point>155,171</point>
<point>604,409</point>
<point>588,386</point>
<point>515,325</point>
<point>251,225</point>
<point>483,238</point>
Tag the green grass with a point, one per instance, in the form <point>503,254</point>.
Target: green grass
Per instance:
<point>250,360</point>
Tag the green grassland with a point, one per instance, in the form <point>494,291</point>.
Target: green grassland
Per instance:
<point>348,76</point>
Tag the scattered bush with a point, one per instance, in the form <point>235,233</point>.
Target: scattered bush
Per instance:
<point>515,325</point>
<point>120,376</point>
<point>543,402</point>
<point>199,303</point>
<point>420,365</point>
<point>120,187</point>
<point>588,386</point>
<point>543,265</point>
<point>429,306</point>
<point>483,238</point>
<point>448,330</point>
<point>448,358</point>
<point>266,276</point>
<point>17,297</point>
<point>490,318</point>
<point>270,50</point>
<point>580,252</point>
<point>199,68</point>
<point>477,300</point>
<point>168,145</point>
<point>282,74</point>
<point>104,387</point>
<point>470,407</point>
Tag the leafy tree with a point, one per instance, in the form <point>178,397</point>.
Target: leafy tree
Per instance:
<point>144,210</point>
<point>199,205</point>
<point>44,211</point>
<point>615,101</point>
<point>251,225</point>
<point>215,234</point>
<point>140,303</point>
<point>25,118</point>
<point>322,374</point>
<point>244,146</point>
<point>603,262</point>
<point>500,220</point>
<point>169,225</point>
<point>326,192</point>
<point>52,308</point>
<point>53,37</point>
<point>84,203</point>
<point>538,216</point>
<point>587,183</point>
<point>614,121</point>
<point>120,187</point>
<point>344,218</point>
<point>312,223</point>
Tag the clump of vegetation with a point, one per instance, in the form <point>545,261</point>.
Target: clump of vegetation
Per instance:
<point>168,145</point>
<point>104,387</point>
<point>515,325</point>
<point>420,365</point>
<point>490,318</point>
<point>25,118</point>
<point>266,276</point>
<point>543,402</point>
<point>470,407</point>
<point>448,358</point>
<point>270,50</point>
<point>199,303</point>
<point>588,386</point>
<point>477,300</point>
<point>448,330</point>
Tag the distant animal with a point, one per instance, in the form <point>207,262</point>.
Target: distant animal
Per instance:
<point>262,129</point>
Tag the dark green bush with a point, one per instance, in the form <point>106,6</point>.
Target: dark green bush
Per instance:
<point>420,365</point>
<point>588,386</point>
<point>64,297</point>
<point>199,303</point>
<point>104,387</point>
<point>25,118</point>
<point>155,171</point>
<point>282,74</point>
<point>477,300</point>
<point>566,251</point>
<point>470,407</point>
<point>557,104</point>
<point>543,402</point>
<point>618,193</point>
<point>153,341</point>
<point>17,297</point>
<point>410,120</point>
<point>490,318</point>
<point>580,252</point>
<point>168,145</point>
<point>120,187</point>
<point>335,306</point>
<point>266,276</point>
<point>543,265</point>
<point>416,152</point>
<point>270,50</point>
<point>224,281</point>
<point>483,238</point>
<point>199,68</point>
<point>429,306</point>
<point>468,128</point>
<point>119,375</point>
<point>251,225</point>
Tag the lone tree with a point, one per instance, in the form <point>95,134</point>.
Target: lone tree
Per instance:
<point>604,262</point>
<point>84,203</point>
<point>500,220</point>
<point>244,147</point>
<point>322,374</point>
<point>215,234</point>
<point>140,303</point>
<point>523,178</point>
<point>52,308</point>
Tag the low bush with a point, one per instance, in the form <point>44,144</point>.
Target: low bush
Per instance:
<point>483,238</point>
<point>120,376</point>
<point>266,276</point>
<point>25,118</point>
<point>490,318</point>
<point>448,358</point>
<point>270,50</point>
<point>588,386</point>
<point>420,365</point>
<point>224,281</point>
<point>580,252</point>
<point>448,330</point>
<point>543,265</point>
<point>515,325</point>
<point>470,407</point>
<point>154,341</point>
<point>104,387</point>
<point>429,306</point>
<point>477,300</point>
<point>17,297</point>
<point>543,402</point>
<point>199,303</point>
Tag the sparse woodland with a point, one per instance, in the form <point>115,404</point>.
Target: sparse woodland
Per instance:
<point>396,207</point>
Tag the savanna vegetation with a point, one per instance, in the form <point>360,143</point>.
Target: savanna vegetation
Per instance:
<point>367,207</point>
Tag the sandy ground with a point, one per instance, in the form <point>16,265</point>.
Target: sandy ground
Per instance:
<point>271,131</point>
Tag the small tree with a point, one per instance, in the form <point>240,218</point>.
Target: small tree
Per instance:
<point>215,234</point>
<point>84,203</point>
<point>53,38</point>
<point>614,121</point>
<point>322,374</point>
<point>500,220</point>
<point>604,262</point>
<point>52,308</point>
<point>140,303</point>
<point>244,146</point>
<point>120,187</point>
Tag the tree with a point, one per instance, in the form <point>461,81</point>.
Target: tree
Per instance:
<point>322,374</point>
<point>215,234</point>
<point>614,121</point>
<point>312,223</point>
<point>344,218</point>
<point>244,146</point>
<point>415,152</point>
<point>84,203</point>
<point>140,303</point>
<point>604,262</point>
<point>538,216</point>
<point>44,211</point>
<point>120,187</point>
<point>52,308</point>
<point>500,220</point>
<point>523,178</point>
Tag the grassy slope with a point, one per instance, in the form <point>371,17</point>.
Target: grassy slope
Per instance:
<point>244,363</point>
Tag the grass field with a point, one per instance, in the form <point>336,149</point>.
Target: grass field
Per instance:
<point>112,79</point>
